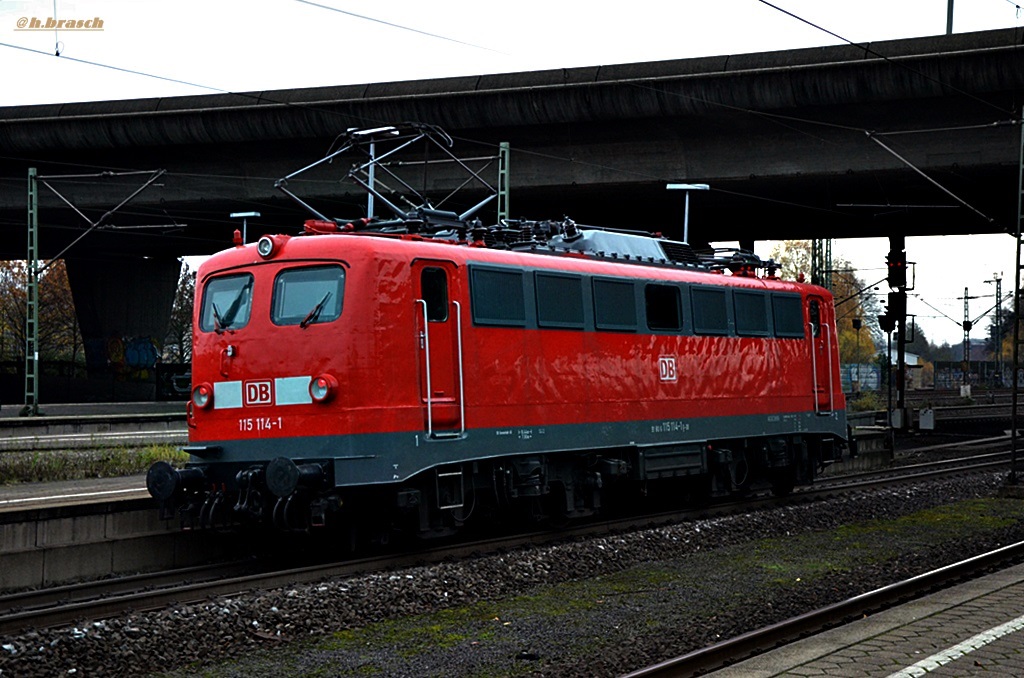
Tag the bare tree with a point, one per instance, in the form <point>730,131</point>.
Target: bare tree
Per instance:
<point>178,343</point>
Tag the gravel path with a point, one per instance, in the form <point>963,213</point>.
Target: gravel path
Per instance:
<point>588,608</point>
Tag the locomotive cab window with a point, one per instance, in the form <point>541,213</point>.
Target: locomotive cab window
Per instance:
<point>304,296</point>
<point>710,315</point>
<point>751,313</point>
<point>663,307</point>
<point>789,315</point>
<point>559,300</point>
<point>227,302</point>
<point>434,287</point>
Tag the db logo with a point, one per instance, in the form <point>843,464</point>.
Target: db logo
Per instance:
<point>258,393</point>
<point>667,368</point>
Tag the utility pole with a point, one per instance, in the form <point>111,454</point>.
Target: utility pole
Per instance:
<point>821,263</point>
<point>31,407</point>
<point>967,344</point>
<point>997,327</point>
<point>965,388</point>
<point>504,156</point>
<point>1018,235</point>
<point>36,269</point>
<point>949,18</point>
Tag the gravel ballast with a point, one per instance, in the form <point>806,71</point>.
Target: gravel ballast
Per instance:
<point>600,606</point>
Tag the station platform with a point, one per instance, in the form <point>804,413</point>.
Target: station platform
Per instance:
<point>972,629</point>
<point>168,407</point>
<point>33,496</point>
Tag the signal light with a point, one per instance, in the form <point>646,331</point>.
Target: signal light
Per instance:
<point>896,263</point>
<point>322,388</point>
<point>202,395</point>
<point>898,305</point>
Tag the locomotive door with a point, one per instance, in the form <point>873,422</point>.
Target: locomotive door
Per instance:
<point>439,344</point>
<point>821,364</point>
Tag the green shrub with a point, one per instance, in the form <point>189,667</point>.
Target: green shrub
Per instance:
<point>53,465</point>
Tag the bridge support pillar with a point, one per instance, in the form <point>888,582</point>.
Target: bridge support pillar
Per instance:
<point>123,307</point>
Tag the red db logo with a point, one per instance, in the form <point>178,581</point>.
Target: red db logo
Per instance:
<point>258,393</point>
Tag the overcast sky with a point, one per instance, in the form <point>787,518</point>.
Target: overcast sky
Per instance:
<point>142,48</point>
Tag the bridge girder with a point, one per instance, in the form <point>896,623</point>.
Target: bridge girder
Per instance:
<point>779,136</point>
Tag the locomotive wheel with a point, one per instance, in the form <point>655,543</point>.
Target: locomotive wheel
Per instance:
<point>701,488</point>
<point>554,507</point>
<point>783,481</point>
<point>741,473</point>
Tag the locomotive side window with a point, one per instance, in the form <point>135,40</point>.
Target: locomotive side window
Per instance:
<point>303,296</point>
<point>751,313</point>
<point>497,297</point>
<point>789,316</point>
<point>227,302</point>
<point>559,300</point>
<point>434,285</point>
<point>710,315</point>
<point>614,305</point>
<point>663,307</point>
<point>815,313</point>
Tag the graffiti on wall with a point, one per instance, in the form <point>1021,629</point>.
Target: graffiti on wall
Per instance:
<point>132,358</point>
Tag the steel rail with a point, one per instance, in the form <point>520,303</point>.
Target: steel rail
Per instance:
<point>749,644</point>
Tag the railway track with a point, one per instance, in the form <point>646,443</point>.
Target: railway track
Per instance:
<point>95,600</point>
<point>746,645</point>
<point>979,454</point>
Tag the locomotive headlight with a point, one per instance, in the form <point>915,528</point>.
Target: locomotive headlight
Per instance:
<point>265,246</point>
<point>202,395</point>
<point>323,388</point>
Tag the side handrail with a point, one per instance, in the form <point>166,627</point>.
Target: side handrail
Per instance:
<point>828,349</point>
<point>814,370</point>
<point>462,390</point>
<point>426,350</point>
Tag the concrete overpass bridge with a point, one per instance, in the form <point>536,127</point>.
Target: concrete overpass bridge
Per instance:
<point>790,143</point>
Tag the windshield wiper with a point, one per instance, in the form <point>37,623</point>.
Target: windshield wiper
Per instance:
<point>312,316</point>
<point>236,304</point>
<point>218,321</point>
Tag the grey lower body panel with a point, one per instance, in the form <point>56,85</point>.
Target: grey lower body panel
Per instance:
<point>381,458</point>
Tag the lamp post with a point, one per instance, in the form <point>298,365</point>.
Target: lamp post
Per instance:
<point>244,216</point>
<point>686,213</point>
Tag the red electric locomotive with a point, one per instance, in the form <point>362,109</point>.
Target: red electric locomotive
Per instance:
<point>379,378</point>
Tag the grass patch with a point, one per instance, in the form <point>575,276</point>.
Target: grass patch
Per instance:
<point>444,629</point>
<point>46,466</point>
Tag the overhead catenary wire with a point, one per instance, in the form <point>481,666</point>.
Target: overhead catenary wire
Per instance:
<point>958,323</point>
<point>938,185</point>
<point>870,52</point>
<point>394,25</point>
